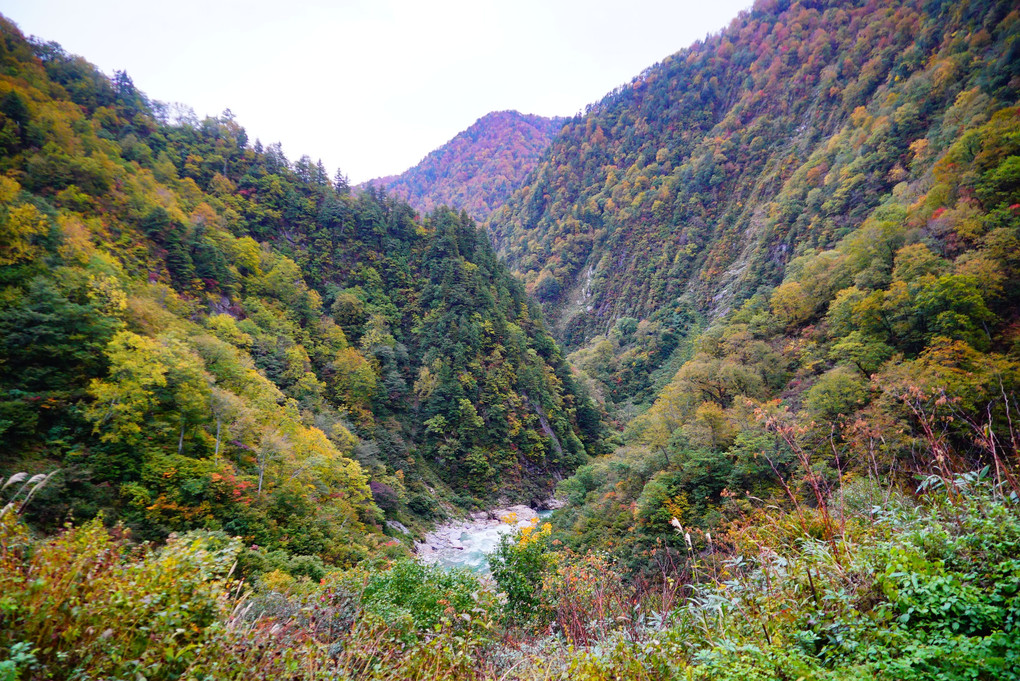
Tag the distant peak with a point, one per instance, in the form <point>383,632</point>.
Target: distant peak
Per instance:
<point>480,167</point>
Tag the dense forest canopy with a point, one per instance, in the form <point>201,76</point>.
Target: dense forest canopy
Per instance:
<point>201,333</point>
<point>690,189</point>
<point>794,243</point>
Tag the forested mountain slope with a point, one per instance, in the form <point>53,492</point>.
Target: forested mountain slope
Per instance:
<point>199,333</point>
<point>803,242</point>
<point>818,213</point>
<point>892,358</point>
<point>827,253</point>
<point>478,169</point>
<point>691,188</point>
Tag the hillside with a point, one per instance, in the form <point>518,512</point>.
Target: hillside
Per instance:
<point>478,169</point>
<point>797,241</point>
<point>200,333</point>
<point>691,188</point>
<point>787,260</point>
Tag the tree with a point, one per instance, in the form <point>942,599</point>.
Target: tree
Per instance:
<point>49,342</point>
<point>21,229</point>
<point>865,352</point>
<point>124,401</point>
<point>354,381</point>
<point>792,304</point>
<point>838,393</point>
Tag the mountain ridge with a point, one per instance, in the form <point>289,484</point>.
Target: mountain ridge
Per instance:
<point>202,333</point>
<point>671,170</point>
<point>478,169</point>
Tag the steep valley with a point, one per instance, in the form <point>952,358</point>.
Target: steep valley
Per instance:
<point>776,395</point>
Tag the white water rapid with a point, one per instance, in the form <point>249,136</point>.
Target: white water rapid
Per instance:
<point>467,543</point>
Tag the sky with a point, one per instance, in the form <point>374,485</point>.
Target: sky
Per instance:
<point>371,86</point>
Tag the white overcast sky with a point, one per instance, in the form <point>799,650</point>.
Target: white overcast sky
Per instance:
<point>371,86</point>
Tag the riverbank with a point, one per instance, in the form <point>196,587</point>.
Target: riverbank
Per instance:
<point>466,543</point>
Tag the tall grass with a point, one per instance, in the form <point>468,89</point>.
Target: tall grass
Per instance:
<point>910,587</point>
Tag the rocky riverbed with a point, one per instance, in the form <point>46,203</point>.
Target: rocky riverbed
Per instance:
<point>466,543</point>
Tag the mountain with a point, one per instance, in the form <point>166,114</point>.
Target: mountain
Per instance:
<point>201,333</point>
<point>478,169</point>
<point>786,258</point>
<point>691,188</point>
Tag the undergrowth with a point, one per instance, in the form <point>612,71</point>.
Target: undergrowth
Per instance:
<point>910,588</point>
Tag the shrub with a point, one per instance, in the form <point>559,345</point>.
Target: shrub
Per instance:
<point>92,606</point>
<point>587,597</point>
<point>518,565</point>
<point>415,598</point>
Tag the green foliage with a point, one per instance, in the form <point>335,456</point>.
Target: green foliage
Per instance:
<point>417,598</point>
<point>88,604</point>
<point>920,594</point>
<point>204,334</point>
<point>837,394</point>
<point>519,564</point>
<point>85,604</point>
<point>867,353</point>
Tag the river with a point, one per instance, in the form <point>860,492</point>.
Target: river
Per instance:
<point>467,543</point>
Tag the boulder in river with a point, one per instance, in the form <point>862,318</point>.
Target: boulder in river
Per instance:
<point>465,543</point>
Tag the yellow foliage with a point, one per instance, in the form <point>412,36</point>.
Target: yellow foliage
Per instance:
<point>76,244</point>
<point>8,189</point>
<point>107,294</point>
<point>529,535</point>
<point>677,506</point>
<point>277,581</point>
<point>791,303</point>
<point>224,327</point>
<point>23,224</point>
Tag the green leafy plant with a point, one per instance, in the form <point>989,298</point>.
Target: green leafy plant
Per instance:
<point>519,564</point>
